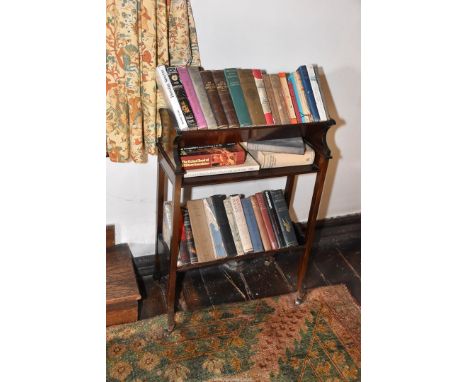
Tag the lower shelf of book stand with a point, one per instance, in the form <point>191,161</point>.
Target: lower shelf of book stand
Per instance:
<point>247,256</point>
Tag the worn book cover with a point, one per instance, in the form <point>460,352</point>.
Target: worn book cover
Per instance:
<point>279,98</point>
<point>181,96</point>
<point>201,231</point>
<point>192,252</point>
<point>260,223</point>
<point>183,257</point>
<point>192,97</point>
<point>194,72</point>
<point>250,164</point>
<point>251,96</point>
<point>233,227</point>
<point>302,97</point>
<point>225,97</point>
<point>293,98</point>
<point>216,203</point>
<point>215,231</point>
<point>212,156</point>
<point>294,145</point>
<point>302,70</point>
<point>287,97</point>
<point>271,99</point>
<point>213,97</point>
<point>258,77</point>
<point>268,159</point>
<point>293,87</point>
<point>266,219</point>
<point>322,108</point>
<point>282,212</point>
<point>232,80</point>
<point>252,225</point>
<point>274,219</point>
<point>239,217</point>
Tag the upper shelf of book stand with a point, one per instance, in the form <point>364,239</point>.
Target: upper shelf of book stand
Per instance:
<point>172,140</point>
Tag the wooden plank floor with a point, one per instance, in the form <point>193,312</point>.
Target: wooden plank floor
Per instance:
<point>336,260</point>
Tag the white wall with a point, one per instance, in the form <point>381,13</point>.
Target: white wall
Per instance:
<point>274,35</point>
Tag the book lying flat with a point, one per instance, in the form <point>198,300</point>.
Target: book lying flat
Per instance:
<point>293,145</point>
<point>249,165</point>
<point>268,159</point>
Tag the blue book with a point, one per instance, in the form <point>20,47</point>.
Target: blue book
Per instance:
<point>296,93</point>
<point>302,70</point>
<point>252,225</point>
<point>215,231</point>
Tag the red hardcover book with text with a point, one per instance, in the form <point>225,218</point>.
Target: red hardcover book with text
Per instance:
<point>266,219</point>
<point>212,156</point>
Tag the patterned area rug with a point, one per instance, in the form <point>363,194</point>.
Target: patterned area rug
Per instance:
<point>262,340</point>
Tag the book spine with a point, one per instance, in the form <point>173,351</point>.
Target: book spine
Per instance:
<point>164,84</point>
<point>200,230</point>
<point>220,213</point>
<point>183,256</point>
<point>271,99</point>
<point>192,97</point>
<point>318,94</point>
<point>194,161</point>
<point>293,99</point>
<point>274,160</point>
<point>167,223</point>
<point>181,96</point>
<point>282,212</point>
<point>287,97</point>
<point>274,219</point>
<point>279,98</point>
<point>222,170</point>
<point>233,226</point>
<point>252,225</point>
<point>297,101</point>
<point>266,219</point>
<point>302,97</point>
<point>225,97</point>
<point>232,80</point>
<point>213,97</point>
<point>308,92</point>
<point>258,77</point>
<point>215,232</point>
<point>239,217</point>
<point>251,97</point>
<point>194,72</point>
<point>260,223</point>
<point>189,237</point>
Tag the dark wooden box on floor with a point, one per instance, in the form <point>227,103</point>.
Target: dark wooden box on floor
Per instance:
<point>122,292</point>
<point>170,167</point>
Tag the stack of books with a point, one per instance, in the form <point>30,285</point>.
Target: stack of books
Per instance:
<point>228,98</point>
<point>228,226</point>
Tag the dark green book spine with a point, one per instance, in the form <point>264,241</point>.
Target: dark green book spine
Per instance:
<point>235,89</point>
<point>274,219</point>
<point>282,212</point>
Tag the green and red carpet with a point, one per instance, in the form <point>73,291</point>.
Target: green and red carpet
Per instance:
<point>263,340</point>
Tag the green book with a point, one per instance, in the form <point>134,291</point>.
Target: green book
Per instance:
<point>232,80</point>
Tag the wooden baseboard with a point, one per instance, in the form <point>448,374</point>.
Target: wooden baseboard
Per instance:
<point>343,228</point>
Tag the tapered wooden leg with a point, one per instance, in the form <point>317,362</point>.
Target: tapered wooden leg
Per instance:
<point>289,189</point>
<point>311,222</point>
<point>174,252</point>
<point>160,198</point>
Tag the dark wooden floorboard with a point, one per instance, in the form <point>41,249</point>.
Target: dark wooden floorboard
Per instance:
<point>336,259</point>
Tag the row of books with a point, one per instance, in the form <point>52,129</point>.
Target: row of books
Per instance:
<point>215,99</point>
<point>247,156</point>
<point>228,226</point>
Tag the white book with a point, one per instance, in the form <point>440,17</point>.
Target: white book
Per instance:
<point>268,159</point>
<point>262,94</point>
<point>249,165</point>
<point>233,226</point>
<point>169,95</point>
<point>317,93</point>
<point>239,217</point>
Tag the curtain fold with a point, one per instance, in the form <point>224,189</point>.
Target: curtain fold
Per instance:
<point>141,34</point>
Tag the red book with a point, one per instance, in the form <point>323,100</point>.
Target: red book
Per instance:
<point>258,76</point>
<point>266,219</point>
<point>294,101</point>
<point>212,156</point>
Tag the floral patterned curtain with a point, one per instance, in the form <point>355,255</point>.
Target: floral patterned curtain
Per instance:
<point>141,34</point>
